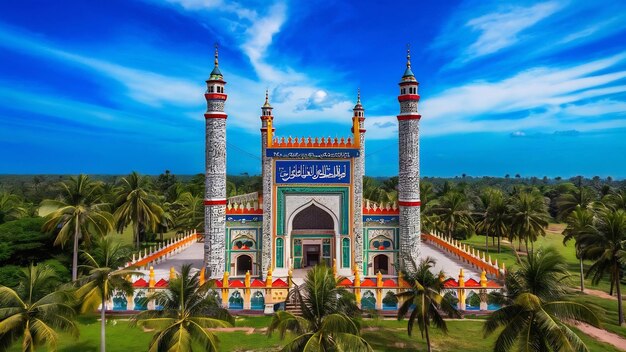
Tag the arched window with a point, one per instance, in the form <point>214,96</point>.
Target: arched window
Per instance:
<point>345,253</point>
<point>381,263</point>
<point>244,264</point>
<point>279,253</point>
<point>368,301</point>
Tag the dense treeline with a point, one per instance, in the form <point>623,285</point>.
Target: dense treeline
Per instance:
<point>61,222</point>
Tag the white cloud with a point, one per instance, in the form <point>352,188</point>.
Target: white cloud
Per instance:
<point>499,30</point>
<point>545,96</point>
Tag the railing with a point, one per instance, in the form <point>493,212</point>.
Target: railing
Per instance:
<point>466,253</point>
<point>157,254</point>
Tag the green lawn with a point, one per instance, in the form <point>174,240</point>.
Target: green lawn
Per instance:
<point>384,335</point>
<point>553,238</point>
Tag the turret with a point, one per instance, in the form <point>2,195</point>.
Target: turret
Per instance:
<point>358,130</point>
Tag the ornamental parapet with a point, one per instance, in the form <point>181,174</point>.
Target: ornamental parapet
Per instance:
<point>313,142</point>
<point>374,208</point>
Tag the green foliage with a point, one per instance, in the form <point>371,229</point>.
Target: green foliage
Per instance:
<point>34,311</point>
<point>23,242</point>
<point>424,301</point>
<point>536,306</point>
<point>327,322</point>
<point>189,310</point>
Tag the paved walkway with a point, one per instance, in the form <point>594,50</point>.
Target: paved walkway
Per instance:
<point>193,255</point>
<point>448,263</point>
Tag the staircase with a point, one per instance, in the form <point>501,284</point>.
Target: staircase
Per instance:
<point>292,304</point>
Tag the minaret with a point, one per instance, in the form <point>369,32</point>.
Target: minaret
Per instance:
<point>215,175</point>
<point>409,169</point>
<point>267,132</point>
<point>358,131</point>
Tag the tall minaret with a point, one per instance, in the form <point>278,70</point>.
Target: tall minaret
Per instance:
<point>215,176</point>
<point>409,168</point>
<point>358,131</point>
<point>267,132</point>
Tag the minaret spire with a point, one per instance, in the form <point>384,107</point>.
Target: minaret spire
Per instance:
<point>409,175</point>
<point>215,173</point>
<point>216,55</point>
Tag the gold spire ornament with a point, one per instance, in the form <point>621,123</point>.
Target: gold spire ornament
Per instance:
<point>216,55</point>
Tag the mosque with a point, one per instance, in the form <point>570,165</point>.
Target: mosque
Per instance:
<point>312,208</point>
<point>258,246</point>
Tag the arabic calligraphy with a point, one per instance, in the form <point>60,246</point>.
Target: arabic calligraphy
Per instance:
<point>312,171</point>
<point>312,153</point>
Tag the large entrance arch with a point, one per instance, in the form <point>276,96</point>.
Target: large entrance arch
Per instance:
<point>313,233</point>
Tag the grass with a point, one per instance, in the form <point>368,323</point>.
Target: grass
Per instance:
<point>384,335</point>
<point>553,238</point>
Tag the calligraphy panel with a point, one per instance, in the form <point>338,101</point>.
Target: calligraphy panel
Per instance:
<point>312,171</point>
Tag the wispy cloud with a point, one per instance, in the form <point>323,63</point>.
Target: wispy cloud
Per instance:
<point>501,29</point>
<point>485,34</point>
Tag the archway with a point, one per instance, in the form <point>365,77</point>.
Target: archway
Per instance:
<point>313,218</point>
<point>244,264</point>
<point>313,235</point>
<point>381,263</point>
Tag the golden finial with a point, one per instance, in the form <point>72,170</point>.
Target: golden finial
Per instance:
<point>216,54</point>
<point>267,96</point>
<point>358,95</point>
<point>408,55</point>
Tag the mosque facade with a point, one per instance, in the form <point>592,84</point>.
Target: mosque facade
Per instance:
<point>312,209</point>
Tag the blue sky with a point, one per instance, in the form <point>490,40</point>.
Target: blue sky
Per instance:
<point>535,88</point>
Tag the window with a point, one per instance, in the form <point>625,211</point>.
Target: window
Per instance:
<point>345,253</point>
<point>211,89</point>
<point>279,253</point>
<point>244,264</point>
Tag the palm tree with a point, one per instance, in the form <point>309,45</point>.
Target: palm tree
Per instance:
<point>78,216</point>
<point>616,200</point>
<point>10,207</point>
<point>103,277</point>
<point>579,222</point>
<point>573,197</point>
<point>606,245</point>
<point>424,301</point>
<point>189,309</point>
<point>536,307</point>
<point>191,215</point>
<point>495,218</point>
<point>34,311</point>
<point>529,217</point>
<point>328,316</point>
<point>454,212</point>
<point>137,205</point>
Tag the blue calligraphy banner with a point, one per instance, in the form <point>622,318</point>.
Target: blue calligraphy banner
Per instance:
<point>311,153</point>
<point>312,171</point>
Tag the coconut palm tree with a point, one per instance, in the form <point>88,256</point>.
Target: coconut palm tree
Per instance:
<point>573,197</point>
<point>424,301</point>
<point>529,217</point>
<point>11,207</point>
<point>79,215</point>
<point>34,311</point>
<point>605,246</point>
<point>191,214</point>
<point>136,204</point>
<point>579,222</point>
<point>105,274</point>
<point>536,306</point>
<point>328,316</point>
<point>454,212</point>
<point>189,309</point>
<point>495,217</point>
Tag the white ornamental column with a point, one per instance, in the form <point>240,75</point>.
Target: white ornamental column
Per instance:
<point>215,175</point>
<point>408,183</point>
<point>267,133</point>
<point>358,131</point>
